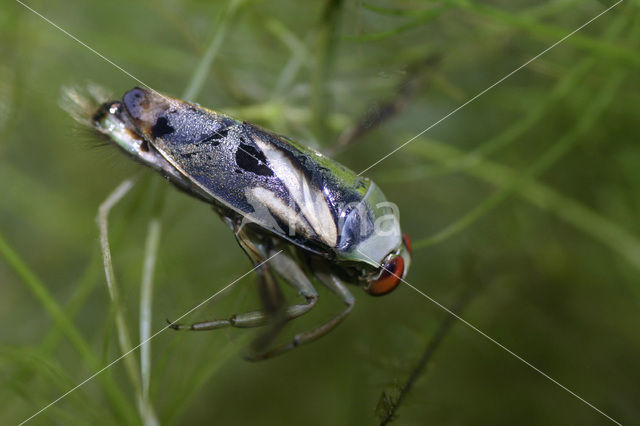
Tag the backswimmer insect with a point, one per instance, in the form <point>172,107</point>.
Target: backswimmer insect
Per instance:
<point>277,196</point>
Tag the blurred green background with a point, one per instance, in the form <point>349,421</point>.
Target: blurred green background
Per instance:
<point>529,196</point>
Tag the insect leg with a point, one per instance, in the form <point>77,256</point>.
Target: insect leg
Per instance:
<point>337,287</point>
<point>247,319</point>
<point>269,293</point>
<point>283,264</point>
<point>243,320</point>
<point>288,269</point>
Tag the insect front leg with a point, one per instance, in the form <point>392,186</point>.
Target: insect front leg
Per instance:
<point>337,287</point>
<point>287,268</point>
<point>254,245</point>
<point>273,312</point>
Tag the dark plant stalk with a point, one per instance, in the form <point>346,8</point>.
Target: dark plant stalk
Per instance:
<point>431,348</point>
<point>415,79</point>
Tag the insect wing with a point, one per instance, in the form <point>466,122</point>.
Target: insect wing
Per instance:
<point>288,189</point>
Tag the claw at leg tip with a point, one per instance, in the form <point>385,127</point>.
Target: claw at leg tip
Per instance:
<point>172,325</point>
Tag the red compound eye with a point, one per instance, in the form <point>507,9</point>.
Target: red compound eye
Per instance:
<point>407,242</point>
<point>389,279</point>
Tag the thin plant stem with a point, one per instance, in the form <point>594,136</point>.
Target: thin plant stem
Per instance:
<point>124,338</point>
<point>39,290</point>
<point>83,288</point>
<point>475,164</point>
<point>515,132</point>
<point>154,227</point>
<point>419,18</point>
<point>82,291</point>
<point>202,377</point>
<point>546,160</point>
<point>300,55</point>
<point>587,120</point>
<point>624,54</point>
<point>146,299</point>
<point>552,8</point>
<point>325,49</point>
<point>202,70</point>
<point>571,211</point>
<point>151,249</point>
